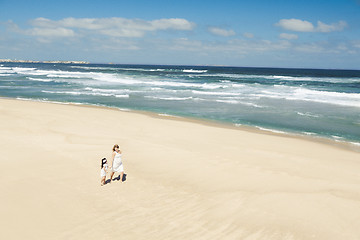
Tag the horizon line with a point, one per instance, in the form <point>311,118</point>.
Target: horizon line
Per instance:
<point>148,64</point>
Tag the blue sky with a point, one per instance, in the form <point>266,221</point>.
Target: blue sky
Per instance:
<point>304,34</point>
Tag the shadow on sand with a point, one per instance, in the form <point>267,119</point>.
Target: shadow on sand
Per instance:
<point>117,179</point>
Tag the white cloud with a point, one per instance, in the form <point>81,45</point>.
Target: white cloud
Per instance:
<point>114,45</point>
<point>51,32</point>
<point>116,27</point>
<point>109,36</point>
<point>122,32</point>
<point>356,43</point>
<point>310,48</point>
<point>288,36</point>
<point>252,47</point>
<point>13,27</point>
<point>248,35</point>
<point>322,27</point>
<point>172,23</point>
<point>184,44</point>
<point>233,46</point>
<point>342,47</point>
<point>221,32</point>
<point>298,25</point>
<point>43,23</point>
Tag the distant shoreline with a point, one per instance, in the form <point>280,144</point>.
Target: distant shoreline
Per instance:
<point>346,145</point>
<point>31,61</point>
<point>178,65</point>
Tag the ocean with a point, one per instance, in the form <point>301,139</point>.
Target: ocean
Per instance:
<point>311,102</point>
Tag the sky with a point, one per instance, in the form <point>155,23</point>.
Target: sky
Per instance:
<point>250,33</point>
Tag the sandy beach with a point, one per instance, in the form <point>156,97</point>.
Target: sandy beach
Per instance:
<point>185,179</point>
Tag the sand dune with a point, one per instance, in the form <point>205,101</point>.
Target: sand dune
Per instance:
<point>185,179</point>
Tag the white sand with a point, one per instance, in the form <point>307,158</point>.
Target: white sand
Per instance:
<point>185,180</point>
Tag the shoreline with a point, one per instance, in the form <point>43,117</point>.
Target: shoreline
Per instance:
<point>46,61</point>
<point>344,144</point>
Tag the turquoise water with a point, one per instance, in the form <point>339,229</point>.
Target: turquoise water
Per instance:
<point>324,103</point>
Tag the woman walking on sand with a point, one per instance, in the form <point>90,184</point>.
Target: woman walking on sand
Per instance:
<point>117,165</point>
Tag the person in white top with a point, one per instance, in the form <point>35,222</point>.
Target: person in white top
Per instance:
<point>117,165</point>
<point>103,170</point>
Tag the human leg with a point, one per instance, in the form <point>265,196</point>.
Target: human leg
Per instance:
<point>121,176</point>
<point>103,180</point>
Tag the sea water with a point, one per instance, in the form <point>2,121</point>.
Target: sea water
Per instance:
<point>320,103</point>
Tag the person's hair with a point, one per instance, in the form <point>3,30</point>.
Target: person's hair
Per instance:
<point>103,162</point>
<point>115,146</point>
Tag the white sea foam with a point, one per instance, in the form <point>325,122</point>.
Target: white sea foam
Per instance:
<point>215,93</point>
<point>337,137</point>
<point>194,71</point>
<point>240,76</point>
<point>62,92</point>
<point>199,99</point>
<point>40,79</point>
<point>303,94</point>
<point>145,69</point>
<point>109,77</point>
<point>227,101</point>
<point>289,78</point>
<point>165,90</point>
<point>45,100</point>
<point>113,78</point>
<point>170,98</point>
<point>271,130</point>
<point>125,109</point>
<point>20,69</point>
<point>7,70</point>
<point>346,99</point>
<point>355,143</point>
<point>309,133</point>
<point>63,76</point>
<point>111,91</point>
<point>307,114</point>
<point>94,68</point>
<point>213,86</point>
<point>134,69</point>
<point>252,104</point>
<point>86,93</point>
<point>178,84</point>
<point>234,101</point>
<point>167,115</point>
<point>122,96</point>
